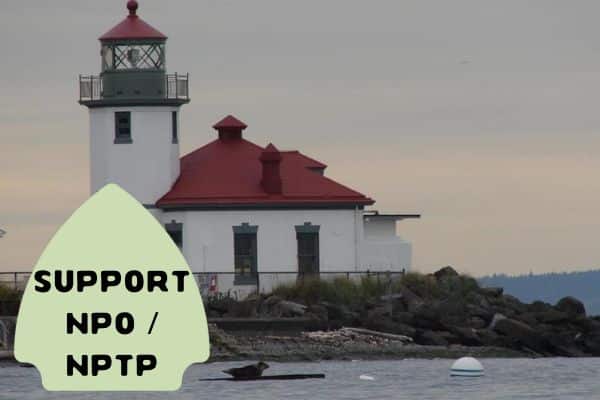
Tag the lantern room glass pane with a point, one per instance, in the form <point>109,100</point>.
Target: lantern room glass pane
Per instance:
<point>133,56</point>
<point>107,57</point>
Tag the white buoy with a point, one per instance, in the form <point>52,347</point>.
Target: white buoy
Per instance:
<point>467,366</point>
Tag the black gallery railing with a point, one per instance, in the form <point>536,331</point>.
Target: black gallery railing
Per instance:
<point>177,87</point>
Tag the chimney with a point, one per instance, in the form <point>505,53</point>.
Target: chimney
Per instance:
<point>230,128</point>
<point>271,170</point>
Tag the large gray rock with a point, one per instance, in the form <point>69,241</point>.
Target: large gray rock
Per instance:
<point>476,311</point>
<point>571,306</point>
<point>410,300</point>
<point>288,309</point>
<point>428,316</point>
<point>467,336</point>
<point>339,315</point>
<point>528,318</point>
<point>591,342</point>
<point>522,335</point>
<point>380,319</point>
<point>431,338</point>
<point>514,304</point>
<point>446,272</point>
<point>381,312</point>
<point>319,311</point>
<point>497,318</point>
<point>404,317</point>
<point>552,317</point>
<point>477,323</point>
<point>540,306</point>
<point>492,291</point>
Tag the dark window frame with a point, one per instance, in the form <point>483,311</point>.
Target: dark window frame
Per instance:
<point>123,129</point>
<point>175,231</point>
<point>245,253</point>
<point>174,127</point>
<point>304,233</point>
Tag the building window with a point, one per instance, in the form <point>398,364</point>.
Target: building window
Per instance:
<point>307,236</point>
<point>174,128</point>
<point>123,127</point>
<point>245,254</point>
<point>175,231</point>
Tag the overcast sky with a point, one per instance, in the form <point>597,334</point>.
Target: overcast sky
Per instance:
<point>481,115</point>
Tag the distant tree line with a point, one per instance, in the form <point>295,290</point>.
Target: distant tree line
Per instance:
<point>551,287</point>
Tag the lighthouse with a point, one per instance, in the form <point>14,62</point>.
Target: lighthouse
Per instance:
<point>236,209</point>
<point>134,107</point>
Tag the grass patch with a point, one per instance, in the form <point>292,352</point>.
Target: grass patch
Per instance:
<point>370,288</point>
<point>338,291</point>
<point>9,294</point>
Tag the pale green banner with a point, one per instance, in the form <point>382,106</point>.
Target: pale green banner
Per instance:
<point>130,284</point>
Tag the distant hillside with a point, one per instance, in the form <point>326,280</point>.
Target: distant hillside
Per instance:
<point>551,287</point>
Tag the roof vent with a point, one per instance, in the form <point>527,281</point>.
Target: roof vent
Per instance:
<point>271,170</point>
<point>230,128</point>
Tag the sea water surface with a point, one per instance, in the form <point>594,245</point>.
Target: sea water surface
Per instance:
<point>555,378</point>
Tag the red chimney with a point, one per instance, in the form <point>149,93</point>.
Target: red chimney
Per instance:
<point>230,128</point>
<point>271,170</point>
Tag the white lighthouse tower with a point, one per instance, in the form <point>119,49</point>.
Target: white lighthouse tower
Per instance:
<point>134,111</point>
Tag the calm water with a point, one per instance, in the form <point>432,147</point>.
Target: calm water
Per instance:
<point>410,379</point>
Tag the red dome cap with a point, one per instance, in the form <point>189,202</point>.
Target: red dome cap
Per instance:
<point>132,6</point>
<point>133,27</point>
<point>230,122</point>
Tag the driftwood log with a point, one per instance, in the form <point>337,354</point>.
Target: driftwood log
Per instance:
<point>356,333</point>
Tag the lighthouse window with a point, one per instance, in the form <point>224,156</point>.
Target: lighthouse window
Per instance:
<point>132,56</point>
<point>175,231</point>
<point>174,127</point>
<point>244,246</point>
<point>123,127</point>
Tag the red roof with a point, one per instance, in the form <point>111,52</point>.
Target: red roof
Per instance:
<point>310,162</point>
<point>271,153</point>
<point>229,173</point>
<point>133,27</point>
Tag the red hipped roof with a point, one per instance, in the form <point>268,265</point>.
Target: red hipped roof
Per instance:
<point>133,27</point>
<point>229,173</point>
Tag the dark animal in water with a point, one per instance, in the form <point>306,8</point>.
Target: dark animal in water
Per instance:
<point>249,371</point>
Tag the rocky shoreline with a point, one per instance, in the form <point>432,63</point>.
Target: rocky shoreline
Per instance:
<point>440,315</point>
<point>288,348</point>
<point>445,314</point>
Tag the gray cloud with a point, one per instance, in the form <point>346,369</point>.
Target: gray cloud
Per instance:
<point>481,115</point>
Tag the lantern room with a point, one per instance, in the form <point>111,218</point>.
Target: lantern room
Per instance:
<point>133,67</point>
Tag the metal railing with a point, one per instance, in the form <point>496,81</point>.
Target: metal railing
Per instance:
<point>14,280</point>
<point>90,87</point>
<point>177,87</point>
<point>214,283</point>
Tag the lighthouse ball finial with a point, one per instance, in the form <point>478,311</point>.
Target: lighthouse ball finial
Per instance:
<point>132,6</point>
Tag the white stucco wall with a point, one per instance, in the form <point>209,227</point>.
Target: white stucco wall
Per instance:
<point>208,238</point>
<point>343,243</point>
<point>146,168</point>
<point>382,249</point>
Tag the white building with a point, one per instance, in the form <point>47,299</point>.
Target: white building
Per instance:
<point>232,206</point>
